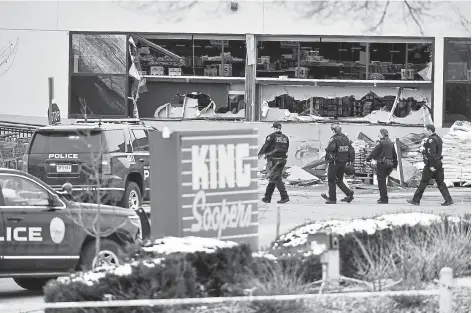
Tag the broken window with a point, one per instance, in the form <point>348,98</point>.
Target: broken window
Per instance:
<point>291,103</point>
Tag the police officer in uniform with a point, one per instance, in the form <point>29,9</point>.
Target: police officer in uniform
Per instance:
<point>275,150</point>
<point>338,153</point>
<point>433,167</point>
<point>386,157</point>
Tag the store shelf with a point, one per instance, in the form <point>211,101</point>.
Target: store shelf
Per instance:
<point>342,82</point>
<point>196,79</point>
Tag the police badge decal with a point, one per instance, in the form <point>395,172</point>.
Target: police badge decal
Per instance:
<point>57,229</point>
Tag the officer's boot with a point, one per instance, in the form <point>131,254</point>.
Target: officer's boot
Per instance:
<point>446,195</point>
<point>349,197</point>
<point>283,193</point>
<point>269,192</point>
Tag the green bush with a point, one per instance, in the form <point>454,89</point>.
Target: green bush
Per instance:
<point>454,237</point>
<point>413,253</point>
<point>173,277</point>
<point>215,270</point>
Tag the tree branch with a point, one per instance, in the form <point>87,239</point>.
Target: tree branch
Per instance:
<point>412,12</point>
<point>382,18</point>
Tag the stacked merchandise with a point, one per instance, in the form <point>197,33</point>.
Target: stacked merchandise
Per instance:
<point>363,147</point>
<point>357,108</point>
<point>456,153</point>
<point>330,108</point>
<point>410,148</point>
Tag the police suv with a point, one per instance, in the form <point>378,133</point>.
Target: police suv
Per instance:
<point>43,234</point>
<point>110,154</point>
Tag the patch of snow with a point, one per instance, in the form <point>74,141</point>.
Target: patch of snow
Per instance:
<point>264,254</point>
<point>299,236</point>
<point>168,245</point>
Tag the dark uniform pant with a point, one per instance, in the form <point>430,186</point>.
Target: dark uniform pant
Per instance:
<point>383,170</point>
<point>427,175</point>
<point>276,167</point>
<point>335,177</point>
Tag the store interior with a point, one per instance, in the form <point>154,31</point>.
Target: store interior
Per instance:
<point>186,71</point>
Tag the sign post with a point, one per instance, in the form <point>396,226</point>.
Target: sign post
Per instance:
<point>204,184</point>
<point>54,115</point>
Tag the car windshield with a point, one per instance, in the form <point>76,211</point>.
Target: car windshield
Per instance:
<point>66,142</point>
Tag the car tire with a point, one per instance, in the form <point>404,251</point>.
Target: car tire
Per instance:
<point>132,198</point>
<point>32,284</point>
<point>110,252</point>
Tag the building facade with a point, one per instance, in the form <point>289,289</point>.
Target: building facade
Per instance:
<point>258,61</point>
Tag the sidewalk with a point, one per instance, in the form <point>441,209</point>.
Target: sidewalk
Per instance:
<point>306,205</point>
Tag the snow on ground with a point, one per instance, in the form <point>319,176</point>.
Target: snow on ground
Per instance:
<point>168,245</point>
<point>298,236</point>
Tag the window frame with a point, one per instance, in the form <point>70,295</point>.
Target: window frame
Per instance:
<point>40,186</point>
<point>133,139</point>
<point>125,75</point>
<point>445,82</point>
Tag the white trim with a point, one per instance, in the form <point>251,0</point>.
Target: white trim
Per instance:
<point>238,192</point>
<point>189,230</point>
<point>189,206</point>
<point>101,188</point>
<point>438,77</point>
<point>190,149</point>
<point>216,137</point>
<point>40,257</point>
<point>355,39</point>
<point>241,236</point>
<point>249,158</point>
<point>253,180</point>
<point>253,169</point>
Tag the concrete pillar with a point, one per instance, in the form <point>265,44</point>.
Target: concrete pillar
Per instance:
<point>250,83</point>
<point>438,88</point>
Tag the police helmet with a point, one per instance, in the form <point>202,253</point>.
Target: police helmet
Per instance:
<point>349,170</point>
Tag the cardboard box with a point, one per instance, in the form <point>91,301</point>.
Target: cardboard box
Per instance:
<point>303,72</point>
<point>227,70</point>
<point>157,70</point>
<point>210,71</point>
<point>175,71</point>
<point>265,60</point>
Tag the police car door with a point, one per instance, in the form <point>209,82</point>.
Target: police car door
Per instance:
<point>140,144</point>
<point>37,236</point>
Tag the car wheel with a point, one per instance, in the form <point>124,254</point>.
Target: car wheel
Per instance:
<point>132,198</point>
<point>33,284</point>
<point>110,254</point>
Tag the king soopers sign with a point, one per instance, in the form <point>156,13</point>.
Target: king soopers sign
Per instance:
<point>217,189</point>
<point>220,167</point>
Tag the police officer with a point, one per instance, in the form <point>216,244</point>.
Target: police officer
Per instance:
<point>275,150</point>
<point>338,153</point>
<point>433,167</point>
<point>386,157</point>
